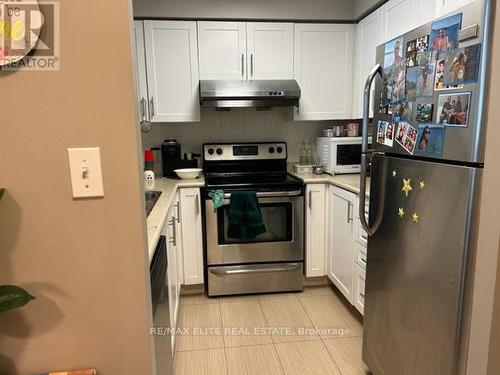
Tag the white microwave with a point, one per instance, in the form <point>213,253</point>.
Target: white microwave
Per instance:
<point>340,155</point>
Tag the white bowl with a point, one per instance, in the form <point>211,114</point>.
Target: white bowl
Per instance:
<point>188,173</point>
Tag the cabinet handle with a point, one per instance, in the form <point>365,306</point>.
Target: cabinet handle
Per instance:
<point>197,203</point>
<point>151,107</point>
<point>178,207</point>
<point>349,218</point>
<point>242,65</point>
<point>310,199</point>
<point>143,109</point>
<point>173,239</point>
<point>251,65</point>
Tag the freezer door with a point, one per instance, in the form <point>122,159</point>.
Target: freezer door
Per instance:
<point>416,265</point>
<point>460,143</point>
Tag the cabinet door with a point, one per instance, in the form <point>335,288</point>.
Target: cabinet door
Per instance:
<point>172,63</point>
<point>341,252</point>
<point>222,50</point>
<point>179,241</point>
<point>140,71</point>
<point>399,17</point>
<point>323,66</point>
<point>192,236</point>
<point>270,50</point>
<point>173,294</point>
<point>446,6</point>
<point>359,288</point>
<point>368,37</point>
<point>315,230</point>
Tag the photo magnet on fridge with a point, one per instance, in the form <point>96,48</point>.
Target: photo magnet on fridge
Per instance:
<point>462,65</point>
<point>393,52</point>
<point>393,79</point>
<point>425,75</point>
<point>402,111</point>
<point>439,78</point>
<point>410,139</point>
<point>411,83</point>
<point>411,53</point>
<point>401,132</point>
<point>430,140</point>
<point>424,112</point>
<point>453,109</point>
<point>385,133</point>
<point>444,33</point>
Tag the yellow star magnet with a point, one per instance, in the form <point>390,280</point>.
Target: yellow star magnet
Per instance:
<point>422,185</point>
<point>401,212</point>
<point>394,173</point>
<point>407,186</point>
<point>414,217</point>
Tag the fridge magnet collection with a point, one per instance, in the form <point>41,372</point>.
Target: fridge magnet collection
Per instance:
<point>415,70</point>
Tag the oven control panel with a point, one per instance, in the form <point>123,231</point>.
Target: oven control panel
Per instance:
<point>245,151</point>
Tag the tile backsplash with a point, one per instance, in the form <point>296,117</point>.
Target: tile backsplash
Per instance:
<point>236,125</point>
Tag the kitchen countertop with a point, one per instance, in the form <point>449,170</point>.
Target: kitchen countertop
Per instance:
<point>157,217</point>
<point>345,181</point>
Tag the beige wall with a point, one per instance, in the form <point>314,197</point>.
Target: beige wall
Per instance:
<point>83,260</point>
<point>246,9</point>
<point>485,329</point>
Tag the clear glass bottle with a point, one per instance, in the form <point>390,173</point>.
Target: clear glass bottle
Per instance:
<point>303,160</point>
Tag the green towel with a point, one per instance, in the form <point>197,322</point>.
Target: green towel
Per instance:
<point>244,216</point>
<point>217,197</point>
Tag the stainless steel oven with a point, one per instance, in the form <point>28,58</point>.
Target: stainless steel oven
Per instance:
<point>273,260</point>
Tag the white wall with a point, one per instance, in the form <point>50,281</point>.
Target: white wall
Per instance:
<point>246,9</point>
<point>237,125</point>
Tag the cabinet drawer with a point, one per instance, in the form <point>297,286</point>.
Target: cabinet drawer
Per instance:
<point>360,234</point>
<point>359,288</point>
<point>360,255</point>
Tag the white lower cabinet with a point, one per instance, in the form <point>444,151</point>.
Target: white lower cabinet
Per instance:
<point>316,214</point>
<point>346,246</point>
<point>192,240</point>
<point>169,230</point>
<point>340,252</point>
<point>359,288</point>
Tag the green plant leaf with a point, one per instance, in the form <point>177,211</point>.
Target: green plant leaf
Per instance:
<point>12,297</point>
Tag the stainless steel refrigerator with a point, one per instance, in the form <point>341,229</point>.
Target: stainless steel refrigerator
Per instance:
<point>426,173</point>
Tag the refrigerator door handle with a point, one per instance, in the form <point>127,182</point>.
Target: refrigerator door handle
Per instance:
<point>377,69</point>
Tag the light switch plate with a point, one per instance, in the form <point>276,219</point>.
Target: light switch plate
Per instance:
<point>86,172</point>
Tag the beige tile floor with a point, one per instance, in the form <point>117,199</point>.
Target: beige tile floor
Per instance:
<point>306,333</point>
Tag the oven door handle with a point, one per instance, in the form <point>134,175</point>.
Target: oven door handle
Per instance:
<point>269,194</point>
<point>222,272</point>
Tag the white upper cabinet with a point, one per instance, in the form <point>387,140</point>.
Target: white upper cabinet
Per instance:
<point>140,71</point>
<point>269,50</point>
<point>222,50</point>
<point>323,67</point>
<point>446,6</point>
<point>368,37</point>
<point>399,17</point>
<point>172,67</point>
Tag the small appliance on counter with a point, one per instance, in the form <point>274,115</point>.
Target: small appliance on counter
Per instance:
<point>339,155</point>
<point>172,160</point>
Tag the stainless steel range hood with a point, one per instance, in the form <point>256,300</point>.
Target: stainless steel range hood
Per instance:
<point>249,93</point>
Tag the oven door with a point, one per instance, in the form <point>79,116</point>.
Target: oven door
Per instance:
<point>282,213</point>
